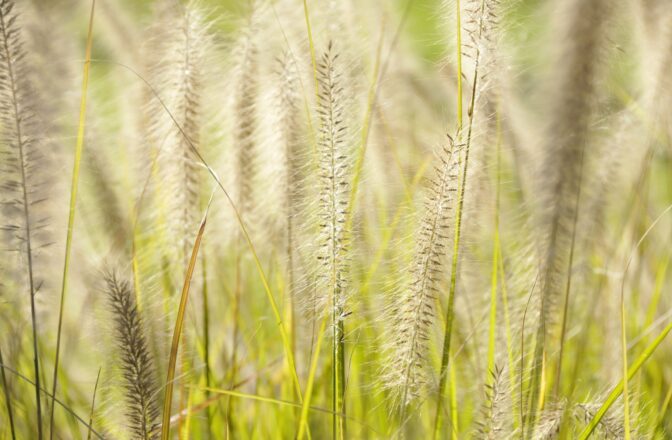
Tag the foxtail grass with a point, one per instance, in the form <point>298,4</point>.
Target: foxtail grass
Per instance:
<point>481,26</point>
<point>136,363</point>
<point>334,168</point>
<point>414,313</point>
<point>21,144</point>
<point>290,127</point>
<point>568,133</point>
<point>179,323</point>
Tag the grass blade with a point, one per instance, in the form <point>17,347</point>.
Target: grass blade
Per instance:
<point>93,405</point>
<point>54,399</point>
<point>8,398</point>
<point>303,422</point>
<point>618,389</point>
<point>79,148</point>
<point>179,322</point>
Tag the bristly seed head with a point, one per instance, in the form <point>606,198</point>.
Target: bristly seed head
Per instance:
<point>334,168</point>
<point>414,309</point>
<point>136,361</point>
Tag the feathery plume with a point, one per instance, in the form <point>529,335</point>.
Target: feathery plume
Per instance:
<point>181,44</point>
<point>481,18</point>
<point>334,167</point>
<point>572,103</point>
<point>22,186</point>
<point>415,307</point>
<point>494,419</point>
<point>245,143</point>
<point>135,360</point>
<point>290,126</point>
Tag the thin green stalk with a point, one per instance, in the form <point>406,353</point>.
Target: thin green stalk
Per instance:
<point>93,405</point>
<point>79,147</point>
<point>8,399</point>
<point>206,337</point>
<point>509,343</point>
<point>179,323</point>
<point>462,183</point>
<point>624,340</point>
<point>236,329</point>
<point>619,389</point>
<point>338,364</point>
<point>54,398</point>
<point>454,415</point>
<point>624,381</point>
<point>22,161</point>
<point>451,295</point>
<point>655,298</point>
<point>568,284</point>
<point>338,373</point>
<point>279,402</point>
<point>290,283</point>
<point>633,203</point>
<point>495,266</point>
<point>663,407</point>
<point>492,333</point>
<point>303,421</point>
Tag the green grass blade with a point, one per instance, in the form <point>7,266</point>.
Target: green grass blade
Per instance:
<point>618,389</point>
<point>179,323</point>
<point>93,405</point>
<point>79,148</point>
<point>8,398</point>
<point>54,399</point>
<point>496,251</point>
<point>303,421</point>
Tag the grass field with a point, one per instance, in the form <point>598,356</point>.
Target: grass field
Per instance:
<point>352,219</point>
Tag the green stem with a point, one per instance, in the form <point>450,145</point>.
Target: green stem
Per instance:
<point>565,311</point>
<point>79,147</point>
<point>618,389</point>
<point>458,226</point>
<point>93,405</point>
<point>206,337</point>
<point>8,399</point>
<point>495,266</point>
<point>22,159</point>
<point>338,383</point>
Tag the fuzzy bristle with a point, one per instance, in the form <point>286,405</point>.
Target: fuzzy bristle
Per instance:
<point>245,142</point>
<point>568,133</point>
<point>22,173</point>
<point>494,422</point>
<point>135,360</point>
<point>179,55</point>
<point>334,167</point>
<point>415,308</point>
<point>333,258</point>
